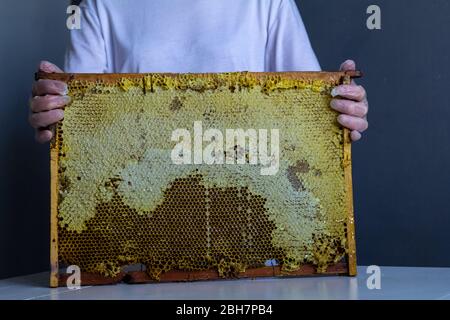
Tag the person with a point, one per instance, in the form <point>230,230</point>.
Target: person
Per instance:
<point>189,36</point>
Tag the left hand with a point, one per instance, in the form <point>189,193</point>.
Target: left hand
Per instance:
<point>351,101</point>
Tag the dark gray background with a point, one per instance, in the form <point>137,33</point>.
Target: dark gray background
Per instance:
<point>401,168</point>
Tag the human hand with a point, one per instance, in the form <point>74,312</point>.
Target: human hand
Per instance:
<point>351,101</point>
<point>49,96</point>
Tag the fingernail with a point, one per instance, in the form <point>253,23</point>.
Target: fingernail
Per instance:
<point>63,89</point>
<point>43,65</point>
<point>334,92</point>
<point>46,66</point>
<point>333,103</point>
<point>66,99</point>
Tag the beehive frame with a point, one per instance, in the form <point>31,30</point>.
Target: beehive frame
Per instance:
<point>320,82</point>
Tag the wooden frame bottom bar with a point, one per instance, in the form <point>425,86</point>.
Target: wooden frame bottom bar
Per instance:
<point>138,277</point>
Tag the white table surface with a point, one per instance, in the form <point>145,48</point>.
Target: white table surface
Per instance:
<point>396,283</point>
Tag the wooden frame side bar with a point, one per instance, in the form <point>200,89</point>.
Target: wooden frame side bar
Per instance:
<point>347,163</point>
<point>54,182</point>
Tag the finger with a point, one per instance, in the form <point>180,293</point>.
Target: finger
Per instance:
<point>45,119</point>
<point>353,123</point>
<point>353,92</point>
<point>48,102</point>
<point>355,135</point>
<point>49,67</point>
<point>43,87</point>
<point>348,65</point>
<point>352,108</point>
<point>43,136</point>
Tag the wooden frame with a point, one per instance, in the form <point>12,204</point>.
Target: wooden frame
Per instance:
<point>347,267</point>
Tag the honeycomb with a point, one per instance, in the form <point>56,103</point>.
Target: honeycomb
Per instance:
<point>121,200</point>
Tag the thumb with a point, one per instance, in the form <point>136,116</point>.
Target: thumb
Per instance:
<point>348,65</point>
<point>49,67</point>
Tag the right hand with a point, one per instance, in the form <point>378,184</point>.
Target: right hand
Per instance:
<point>49,96</point>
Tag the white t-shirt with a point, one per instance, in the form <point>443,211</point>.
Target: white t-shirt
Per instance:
<point>139,36</point>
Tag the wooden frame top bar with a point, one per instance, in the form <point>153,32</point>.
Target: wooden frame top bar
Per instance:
<point>325,76</point>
